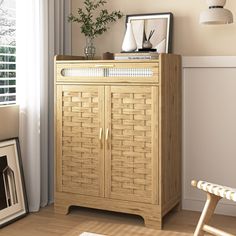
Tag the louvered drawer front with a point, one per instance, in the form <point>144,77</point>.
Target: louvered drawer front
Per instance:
<point>108,72</point>
<point>132,121</point>
<point>82,157</point>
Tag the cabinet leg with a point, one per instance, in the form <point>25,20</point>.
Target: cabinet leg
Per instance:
<point>61,209</point>
<point>153,223</point>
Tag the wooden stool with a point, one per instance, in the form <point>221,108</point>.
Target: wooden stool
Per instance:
<point>214,192</point>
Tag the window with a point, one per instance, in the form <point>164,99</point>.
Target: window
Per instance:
<point>7,52</point>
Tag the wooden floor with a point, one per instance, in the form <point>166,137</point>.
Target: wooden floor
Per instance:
<point>47,223</point>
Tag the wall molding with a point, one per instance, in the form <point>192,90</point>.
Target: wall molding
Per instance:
<point>208,61</point>
<point>192,199</point>
<point>223,207</point>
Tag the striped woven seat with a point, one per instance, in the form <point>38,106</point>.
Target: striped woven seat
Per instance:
<point>214,192</point>
<point>218,190</point>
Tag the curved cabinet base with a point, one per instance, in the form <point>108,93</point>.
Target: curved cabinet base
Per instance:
<point>149,212</point>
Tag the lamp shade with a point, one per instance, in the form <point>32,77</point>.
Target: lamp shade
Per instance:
<point>216,14</point>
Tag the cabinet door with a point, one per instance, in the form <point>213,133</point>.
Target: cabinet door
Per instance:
<point>80,151</point>
<point>131,123</point>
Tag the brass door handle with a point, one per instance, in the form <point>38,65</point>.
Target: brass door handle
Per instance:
<point>100,137</point>
<point>107,134</point>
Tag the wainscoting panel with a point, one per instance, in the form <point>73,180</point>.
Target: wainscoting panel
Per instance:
<point>209,127</point>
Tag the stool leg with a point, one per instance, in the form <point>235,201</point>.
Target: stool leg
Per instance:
<point>207,213</point>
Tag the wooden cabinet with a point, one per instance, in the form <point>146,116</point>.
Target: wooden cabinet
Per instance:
<point>118,136</point>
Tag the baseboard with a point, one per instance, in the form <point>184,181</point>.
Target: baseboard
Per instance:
<point>223,208</point>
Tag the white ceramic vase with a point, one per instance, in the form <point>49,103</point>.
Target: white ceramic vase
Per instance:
<point>129,43</point>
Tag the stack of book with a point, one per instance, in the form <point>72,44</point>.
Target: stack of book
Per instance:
<point>136,56</point>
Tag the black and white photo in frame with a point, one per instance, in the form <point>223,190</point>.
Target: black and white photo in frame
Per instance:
<point>13,204</point>
<point>153,29</point>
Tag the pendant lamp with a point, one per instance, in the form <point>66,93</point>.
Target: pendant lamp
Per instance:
<point>216,13</point>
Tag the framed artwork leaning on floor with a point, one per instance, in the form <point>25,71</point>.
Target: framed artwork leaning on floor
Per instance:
<point>13,204</point>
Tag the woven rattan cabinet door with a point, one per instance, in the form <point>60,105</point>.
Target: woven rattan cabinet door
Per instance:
<point>80,139</point>
<point>131,152</point>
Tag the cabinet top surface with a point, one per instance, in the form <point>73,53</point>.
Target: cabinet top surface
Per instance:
<point>74,61</point>
<point>64,59</point>
<point>61,59</point>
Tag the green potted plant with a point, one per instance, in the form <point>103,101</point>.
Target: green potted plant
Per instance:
<point>93,22</point>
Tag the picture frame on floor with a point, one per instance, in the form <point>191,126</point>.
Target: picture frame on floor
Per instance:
<point>13,203</point>
<point>154,29</point>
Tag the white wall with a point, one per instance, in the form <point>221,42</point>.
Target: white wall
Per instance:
<point>9,122</point>
<point>209,127</point>
<point>189,38</point>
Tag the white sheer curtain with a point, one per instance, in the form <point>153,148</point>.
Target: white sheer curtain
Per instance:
<point>32,94</point>
<point>40,35</point>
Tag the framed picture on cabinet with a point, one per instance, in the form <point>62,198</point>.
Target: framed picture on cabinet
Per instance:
<point>13,204</point>
<point>152,32</point>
